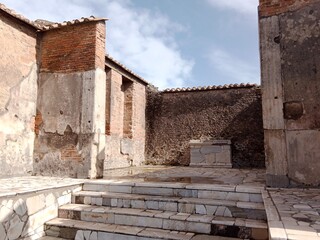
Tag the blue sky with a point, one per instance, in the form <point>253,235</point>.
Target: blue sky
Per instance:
<point>170,43</point>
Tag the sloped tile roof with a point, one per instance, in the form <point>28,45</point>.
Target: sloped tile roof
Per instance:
<point>18,16</point>
<point>108,57</point>
<point>43,25</point>
<point>227,86</point>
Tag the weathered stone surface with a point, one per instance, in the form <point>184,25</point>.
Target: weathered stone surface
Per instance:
<point>35,203</point>
<point>5,214</point>
<point>303,156</point>
<point>79,235</point>
<point>63,146</point>
<point>290,85</point>
<point>2,232</point>
<point>15,228</point>
<point>20,207</point>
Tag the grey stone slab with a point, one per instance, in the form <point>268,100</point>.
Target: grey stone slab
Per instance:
<point>186,226</point>
<point>200,218</point>
<point>164,234</point>
<point>168,206</point>
<point>138,221</point>
<point>153,191</point>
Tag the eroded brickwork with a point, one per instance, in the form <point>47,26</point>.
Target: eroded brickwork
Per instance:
<point>173,119</point>
<point>74,48</point>
<point>275,7</point>
<point>18,95</point>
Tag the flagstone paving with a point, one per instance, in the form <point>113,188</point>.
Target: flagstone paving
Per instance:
<point>253,177</point>
<point>297,214</point>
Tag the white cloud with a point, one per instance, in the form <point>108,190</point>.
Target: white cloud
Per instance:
<point>141,39</point>
<point>241,6</point>
<point>232,68</point>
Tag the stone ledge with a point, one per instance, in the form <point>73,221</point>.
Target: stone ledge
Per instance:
<point>210,142</point>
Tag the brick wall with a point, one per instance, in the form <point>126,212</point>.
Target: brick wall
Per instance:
<point>18,95</point>
<point>173,119</point>
<point>125,120</point>
<point>75,48</point>
<point>275,7</point>
<point>70,121</point>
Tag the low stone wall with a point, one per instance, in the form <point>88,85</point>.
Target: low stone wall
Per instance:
<point>233,113</point>
<point>22,215</point>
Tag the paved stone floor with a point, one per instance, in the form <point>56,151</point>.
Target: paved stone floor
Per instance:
<point>17,185</point>
<point>252,177</point>
<point>298,211</point>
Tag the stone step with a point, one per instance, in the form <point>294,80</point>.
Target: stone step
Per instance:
<point>75,229</point>
<point>227,208</point>
<point>171,189</point>
<point>51,238</point>
<point>167,220</point>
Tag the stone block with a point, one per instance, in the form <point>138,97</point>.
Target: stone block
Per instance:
<point>35,203</point>
<point>214,153</point>
<point>153,191</point>
<point>186,208</point>
<point>138,204</point>
<point>120,189</point>
<point>168,206</point>
<point>152,205</point>
<point>201,209</point>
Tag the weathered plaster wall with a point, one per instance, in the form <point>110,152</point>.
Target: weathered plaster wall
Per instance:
<point>18,95</point>
<point>70,122</point>
<point>173,119</point>
<point>125,121</point>
<point>290,63</point>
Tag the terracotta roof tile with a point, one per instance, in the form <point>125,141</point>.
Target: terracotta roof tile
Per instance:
<point>127,69</point>
<point>226,86</point>
<point>18,16</point>
<point>44,25</point>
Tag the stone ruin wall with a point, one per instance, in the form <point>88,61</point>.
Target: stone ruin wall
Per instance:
<point>18,95</point>
<point>125,121</point>
<point>290,68</point>
<point>174,118</point>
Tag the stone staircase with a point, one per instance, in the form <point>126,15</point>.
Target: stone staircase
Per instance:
<point>160,210</point>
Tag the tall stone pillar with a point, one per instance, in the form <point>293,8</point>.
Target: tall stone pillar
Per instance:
<point>70,140</point>
<point>290,64</point>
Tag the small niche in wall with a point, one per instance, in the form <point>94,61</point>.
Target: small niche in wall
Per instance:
<point>127,90</point>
